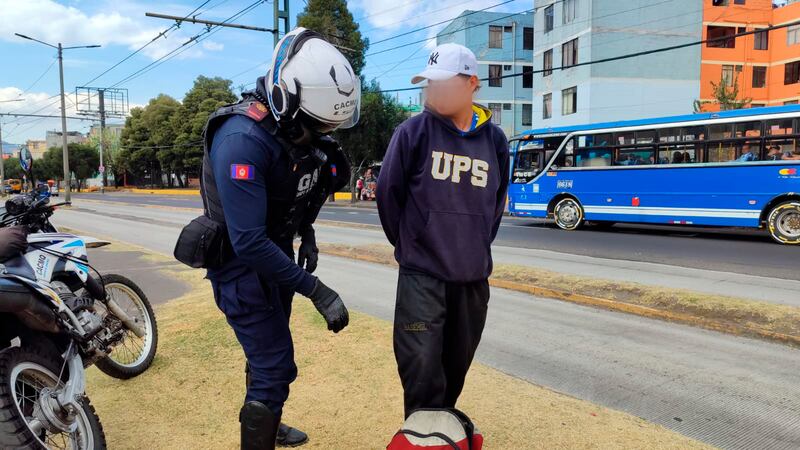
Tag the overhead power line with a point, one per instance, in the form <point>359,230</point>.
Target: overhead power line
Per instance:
<point>626,56</point>
<point>449,33</point>
<point>188,44</point>
<point>468,13</point>
<point>159,35</point>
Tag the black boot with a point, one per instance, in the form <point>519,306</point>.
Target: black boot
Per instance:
<point>259,426</point>
<point>290,437</point>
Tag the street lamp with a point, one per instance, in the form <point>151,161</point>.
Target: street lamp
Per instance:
<point>63,106</point>
<point>2,163</point>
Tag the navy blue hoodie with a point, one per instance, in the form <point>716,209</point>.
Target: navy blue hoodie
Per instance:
<point>441,194</point>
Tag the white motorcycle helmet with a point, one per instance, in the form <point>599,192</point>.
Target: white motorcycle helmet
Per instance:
<point>311,81</point>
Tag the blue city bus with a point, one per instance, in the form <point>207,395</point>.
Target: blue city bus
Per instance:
<point>733,168</point>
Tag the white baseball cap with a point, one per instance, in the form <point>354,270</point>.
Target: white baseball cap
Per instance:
<point>447,61</point>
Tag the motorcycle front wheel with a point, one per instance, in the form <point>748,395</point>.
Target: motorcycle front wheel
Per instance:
<point>24,372</point>
<point>134,354</point>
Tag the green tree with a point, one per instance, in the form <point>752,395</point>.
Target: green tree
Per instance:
<point>11,168</point>
<point>367,141</point>
<point>157,119</point>
<point>332,19</point>
<point>137,156</point>
<point>726,95</point>
<point>205,97</point>
<point>83,162</point>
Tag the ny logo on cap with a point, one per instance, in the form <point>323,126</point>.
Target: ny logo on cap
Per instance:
<point>433,59</point>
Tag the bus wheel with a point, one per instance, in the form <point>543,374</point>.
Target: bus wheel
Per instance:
<point>784,223</point>
<point>568,213</point>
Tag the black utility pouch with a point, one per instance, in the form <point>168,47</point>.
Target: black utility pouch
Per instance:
<point>202,244</point>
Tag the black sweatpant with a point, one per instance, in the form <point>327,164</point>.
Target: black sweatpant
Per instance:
<point>437,328</point>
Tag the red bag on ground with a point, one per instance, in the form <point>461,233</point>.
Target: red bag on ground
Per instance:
<point>437,429</point>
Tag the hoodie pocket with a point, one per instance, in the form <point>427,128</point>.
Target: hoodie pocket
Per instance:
<point>458,244</point>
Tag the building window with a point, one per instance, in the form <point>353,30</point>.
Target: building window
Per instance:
<point>497,113</point>
<point>738,2</point>
<point>719,2</point>
<point>527,38</point>
<point>790,102</point>
<point>527,114</point>
<point>506,106</point>
<point>506,67</point>
<point>757,105</point>
<point>569,101</point>
<point>495,75</point>
<point>761,40</point>
<point>792,74</point>
<point>548,19</point>
<point>759,76</point>
<point>727,75</point>
<point>495,36</point>
<point>547,63</point>
<point>569,11</point>
<point>721,37</point>
<point>527,77</point>
<point>547,106</point>
<point>569,53</point>
<point>793,35</point>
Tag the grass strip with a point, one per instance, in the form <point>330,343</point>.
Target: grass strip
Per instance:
<point>738,316</point>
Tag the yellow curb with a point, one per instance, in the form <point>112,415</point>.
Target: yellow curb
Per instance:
<point>337,195</point>
<point>165,191</point>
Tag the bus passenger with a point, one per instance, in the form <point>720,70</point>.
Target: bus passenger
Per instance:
<point>774,153</point>
<point>747,154</point>
<point>677,157</point>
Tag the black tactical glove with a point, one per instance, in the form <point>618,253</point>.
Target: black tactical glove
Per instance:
<point>308,253</point>
<point>13,241</point>
<point>330,305</point>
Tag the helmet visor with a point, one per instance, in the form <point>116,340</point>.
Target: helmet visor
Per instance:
<point>333,106</point>
<point>353,120</point>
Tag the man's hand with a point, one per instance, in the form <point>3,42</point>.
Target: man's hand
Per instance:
<point>308,253</point>
<point>13,241</point>
<point>330,306</point>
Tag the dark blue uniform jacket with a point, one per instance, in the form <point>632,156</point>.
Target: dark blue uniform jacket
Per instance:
<point>248,162</point>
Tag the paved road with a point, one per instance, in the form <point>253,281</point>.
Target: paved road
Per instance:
<point>732,392</point>
<point>740,251</point>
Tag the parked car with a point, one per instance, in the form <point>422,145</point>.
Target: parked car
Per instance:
<point>14,186</point>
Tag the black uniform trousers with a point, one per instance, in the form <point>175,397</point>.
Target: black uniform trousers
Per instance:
<point>437,328</point>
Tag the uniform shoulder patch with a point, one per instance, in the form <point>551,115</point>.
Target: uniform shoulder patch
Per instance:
<point>257,111</point>
<point>242,172</point>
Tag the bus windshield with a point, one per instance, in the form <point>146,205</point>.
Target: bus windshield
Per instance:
<point>532,156</point>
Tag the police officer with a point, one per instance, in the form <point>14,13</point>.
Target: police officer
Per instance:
<point>268,168</point>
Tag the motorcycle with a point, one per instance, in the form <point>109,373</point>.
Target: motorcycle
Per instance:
<point>57,319</point>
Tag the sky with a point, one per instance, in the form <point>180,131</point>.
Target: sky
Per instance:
<point>29,71</point>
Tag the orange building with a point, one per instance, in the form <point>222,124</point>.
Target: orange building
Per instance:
<point>766,65</point>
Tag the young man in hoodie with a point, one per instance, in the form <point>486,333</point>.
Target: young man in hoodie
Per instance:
<point>441,194</point>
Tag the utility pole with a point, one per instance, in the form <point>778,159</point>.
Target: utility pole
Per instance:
<point>111,102</point>
<point>64,147</point>
<point>63,106</point>
<point>101,93</point>
<point>280,17</point>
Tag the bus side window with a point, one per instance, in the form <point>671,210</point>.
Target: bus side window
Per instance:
<point>566,158</point>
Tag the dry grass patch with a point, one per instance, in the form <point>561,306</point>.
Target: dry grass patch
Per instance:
<point>347,395</point>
